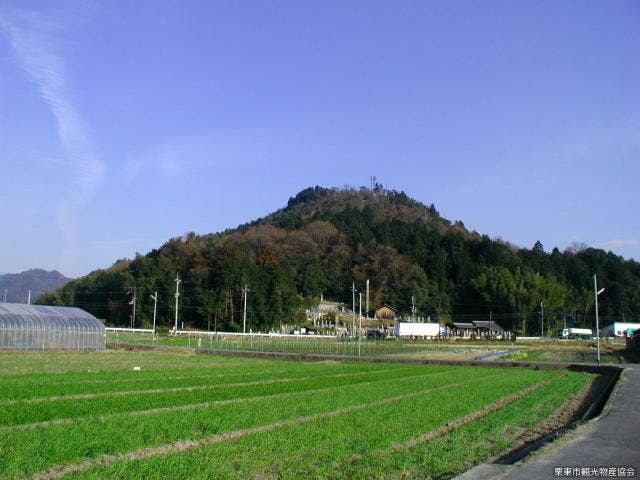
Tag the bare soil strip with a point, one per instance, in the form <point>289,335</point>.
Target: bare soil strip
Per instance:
<point>59,471</point>
<point>194,406</point>
<point>120,393</point>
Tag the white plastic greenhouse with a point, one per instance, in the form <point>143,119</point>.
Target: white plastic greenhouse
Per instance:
<point>40,327</point>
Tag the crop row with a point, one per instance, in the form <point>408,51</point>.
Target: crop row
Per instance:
<point>156,380</point>
<point>69,363</point>
<point>21,413</point>
<point>319,446</point>
<point>27,451</point>
<point>111,365</point>
<point>456,451</point>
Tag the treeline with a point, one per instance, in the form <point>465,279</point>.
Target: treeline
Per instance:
<point>325,239</point>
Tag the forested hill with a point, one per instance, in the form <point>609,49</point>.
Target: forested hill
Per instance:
<point>17,285</point>
<point>325,239</point>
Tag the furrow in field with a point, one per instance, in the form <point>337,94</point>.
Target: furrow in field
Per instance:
<point>24,390</point>
<point>60,364</point>
<point>455,451</point>
<point>121,393</point>
<point>195,406</point>
<point>25,452</point>
<point>155,376</point>
<point>464,419</point>
<point>101,377</point>
<point>59,471</point>
<point>41,412</point>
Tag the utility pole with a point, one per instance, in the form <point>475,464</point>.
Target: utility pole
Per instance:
<point>155,308</point>
<point>541,319</point>
<point>367,309</point>
<point>133,307</point>
<point>413,308</point>
<point>177,295</point>
<point>597,292</point>
<point>490,318</point>
<point>244,314</point>
<point>353,311</point>
<point>29,298</point>
<point>360,320</point>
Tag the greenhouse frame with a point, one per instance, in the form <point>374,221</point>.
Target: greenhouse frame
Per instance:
<point>41,327</point>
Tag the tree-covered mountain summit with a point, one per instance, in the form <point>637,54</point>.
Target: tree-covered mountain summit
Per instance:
<point>325,239</point>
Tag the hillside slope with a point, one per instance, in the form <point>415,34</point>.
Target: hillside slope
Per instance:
<point>325,239</point>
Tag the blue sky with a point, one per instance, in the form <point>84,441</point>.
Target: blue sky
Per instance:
<point>123,124</point>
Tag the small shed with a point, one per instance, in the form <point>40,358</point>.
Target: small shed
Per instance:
<point>489,326</point>
<point>385,312</point>
<point>463,329</point>
<point>41,327</point>
<point>477,327</point>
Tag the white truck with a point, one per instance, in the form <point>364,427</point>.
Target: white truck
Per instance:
<point>583,333</point>
<point>407,329</point>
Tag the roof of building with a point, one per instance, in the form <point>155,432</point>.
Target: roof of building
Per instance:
<point>330,303</point>
<point>387,306</point>
<point>480,324</point>
<point>489,325</point>
<point>463,325</point>
<point>35,317</point>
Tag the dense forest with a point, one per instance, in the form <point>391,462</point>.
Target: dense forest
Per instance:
<point>325,239</point>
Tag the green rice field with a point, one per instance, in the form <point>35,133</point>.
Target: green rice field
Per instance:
<point>178,414</point>
<point>312,345</point>
<point>550,350</point>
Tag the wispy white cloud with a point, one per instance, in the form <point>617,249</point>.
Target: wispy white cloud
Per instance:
<point>191,153</point>
<point>173,158</point>
<point>33,39</point>
<point>163,160</point>
<point>621,243</point>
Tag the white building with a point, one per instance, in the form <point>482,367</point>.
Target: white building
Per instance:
<point>427,330</point>
<point>618,329</point>
<point>326,309</point>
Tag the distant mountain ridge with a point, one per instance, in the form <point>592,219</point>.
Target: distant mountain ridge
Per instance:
<point>39,281</point>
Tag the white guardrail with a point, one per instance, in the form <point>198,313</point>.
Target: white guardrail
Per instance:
<point>250,334</point>
<point>128,330</point>
<point>206,332</point>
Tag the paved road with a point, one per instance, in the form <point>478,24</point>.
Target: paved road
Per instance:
<point>612,440</point>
